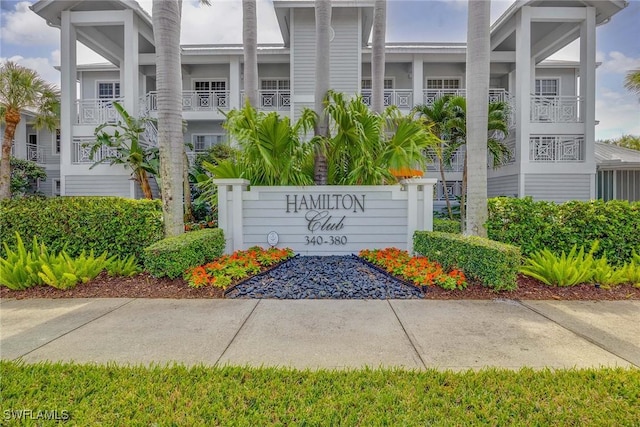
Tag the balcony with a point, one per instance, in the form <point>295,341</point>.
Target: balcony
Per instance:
<point>401,98</point>
<point>194,100</point>
<point>35,153</point>
<point>81,149</point>
<point>271,100</point>
<point>429,96</point>
<point>96,111</point>
<point>556,109</point>
<point>556,149</point>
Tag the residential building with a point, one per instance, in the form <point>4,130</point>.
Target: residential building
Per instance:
<point>552,103</point>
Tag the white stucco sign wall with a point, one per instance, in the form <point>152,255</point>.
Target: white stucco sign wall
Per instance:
<point>324,220</point>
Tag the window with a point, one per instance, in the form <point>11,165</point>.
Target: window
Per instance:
<point>367,85</point>
<point>210,85</point>
<point>56,142</point>
<point>202,143</point>
<point>32,139</point>
<point>443,84</point>
<point>547,87</point>
<point>275,84</point>
<point>211,93</point>
<point>57,186</point>
<point>108,90</point>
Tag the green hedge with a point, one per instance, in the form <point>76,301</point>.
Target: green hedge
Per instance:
<point>172,256</point>
<point>537,225</point>
<point>493,263</point>
<point>446,225</point>
<point>119,226</point>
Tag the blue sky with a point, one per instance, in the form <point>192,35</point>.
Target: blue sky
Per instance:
<point>27,39</point>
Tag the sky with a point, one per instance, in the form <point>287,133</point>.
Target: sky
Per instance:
<point>25,38</point>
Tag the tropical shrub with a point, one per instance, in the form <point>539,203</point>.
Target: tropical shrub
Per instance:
<point>127,267</point>
<point>418,270</point>
<point>446,225</point>
<point>23,174</point>
<point>172,256</point>
<point>19,270</point>
<point>493,263</point>
<point>534,226</point>
<point>227,269</point>
<point>632,270</point>
<point>606,275</point>
<point>65,272</point>
<point>119,226</point>
<point>565,270</point>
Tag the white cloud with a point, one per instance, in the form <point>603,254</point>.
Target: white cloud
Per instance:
<point>618,62</point>
<point>23,27</point>
<point>43,66</point>
<point>618,113</point>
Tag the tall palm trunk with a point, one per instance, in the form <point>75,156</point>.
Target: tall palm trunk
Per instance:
<point>444,188</point>
<point>377,55</point>
<point>323,53</point>
<point>166,25</point>
<point>12,118</point>
<point>250,47</point>
<point>478,61</point>
<point>143,180</point>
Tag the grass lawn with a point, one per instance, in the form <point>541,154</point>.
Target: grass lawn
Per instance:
<point>176,395</point>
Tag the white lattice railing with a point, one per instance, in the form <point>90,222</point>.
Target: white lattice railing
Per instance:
<point>273,100</point>
<point>97,111</point>
<point>81,149</point>
<point>195,100</point>
<point>556,149</point>
<point>556,109</point>
<point>452,188</point>
<point>35,153</point>
<point>429,96</point>
<point>457,161</point>
<point>401,98</point>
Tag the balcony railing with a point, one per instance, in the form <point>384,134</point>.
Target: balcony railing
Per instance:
<point>97,111</point>
<point>556,109</point>
<point>272,100</point>
<point>457,161</point>
<point>35,153</point>
<point>495,95</point>
<point>556,149</point>
<point>81,149</point>
<point>195,100</point>
<point>401,98</point>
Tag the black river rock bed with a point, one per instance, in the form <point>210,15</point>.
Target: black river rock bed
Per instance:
<point>324,277</point>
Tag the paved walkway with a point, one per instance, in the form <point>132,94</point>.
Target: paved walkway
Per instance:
<point>324,333</point>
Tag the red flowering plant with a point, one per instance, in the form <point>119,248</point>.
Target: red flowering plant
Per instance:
<point>228,269</point>
<point>418,269</point>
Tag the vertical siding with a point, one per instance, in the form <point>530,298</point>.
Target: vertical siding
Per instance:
<point>344,50</point>
<point>303,43</point>
<point>97,185</point>
<point>503,186</point>
<point>558,187</point>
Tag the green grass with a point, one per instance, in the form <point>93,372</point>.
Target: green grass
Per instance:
<point>176,395</point>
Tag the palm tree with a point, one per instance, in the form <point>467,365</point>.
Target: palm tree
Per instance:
<point>632,81</point>
<point>250,47</point>
<point>323,53</point>
<point>22,89</point>
<point>437,115</point>
<point>377,55</point>
<point>478,61</point>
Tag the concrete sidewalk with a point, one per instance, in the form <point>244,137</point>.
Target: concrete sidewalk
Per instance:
<point>324,333</point>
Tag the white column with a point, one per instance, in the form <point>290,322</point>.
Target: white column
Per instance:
<point>230,211</point>
<point>418,80</point>
<point>20,140</point>
<point>68,78</point>
<point>588,89</point>
<point>419,217</point>
<point>234,83</point>
<point>130,71</point>
<point>523,89</point>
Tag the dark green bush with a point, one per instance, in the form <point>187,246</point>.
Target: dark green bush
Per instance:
<point>116,225</point>
<point>535,226</point>
<point>446,225</point>
<point>493,263</point>
<point>172,256</point>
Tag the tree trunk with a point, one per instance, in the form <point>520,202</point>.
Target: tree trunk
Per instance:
<point>166,26</point>
<point>12,118</point>
<point>188,210</point>
<point>444,187</point>
<point>143,180</point>
<point>250,47</point>
<point>377,55</point>
<point>478,50</point>
<point>463,197</point>
<point>323,53</point>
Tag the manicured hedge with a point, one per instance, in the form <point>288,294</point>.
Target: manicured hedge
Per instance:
<point>493,263</point>
<point>119,226</point>
<point>172,256</point>
<point>446,225</point>
<point>534,226</point>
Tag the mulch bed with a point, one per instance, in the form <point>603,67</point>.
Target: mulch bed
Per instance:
<point>145,286</point>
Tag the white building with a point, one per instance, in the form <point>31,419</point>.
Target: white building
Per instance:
<point>553,103</point>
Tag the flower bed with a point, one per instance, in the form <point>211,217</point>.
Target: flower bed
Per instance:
<point>227,269</point>
<point>418,270</point>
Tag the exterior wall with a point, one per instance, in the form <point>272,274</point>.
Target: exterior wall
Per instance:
<point>97,185</point>
<point>503,186</point>
<point>558,187</point>
<point>273,71</point>
<point>89,80</point>
<point>209,71</point>
<point>567,77</point>
<point>302,58</point>
<point>397,71</point>
<point>434,70</point>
